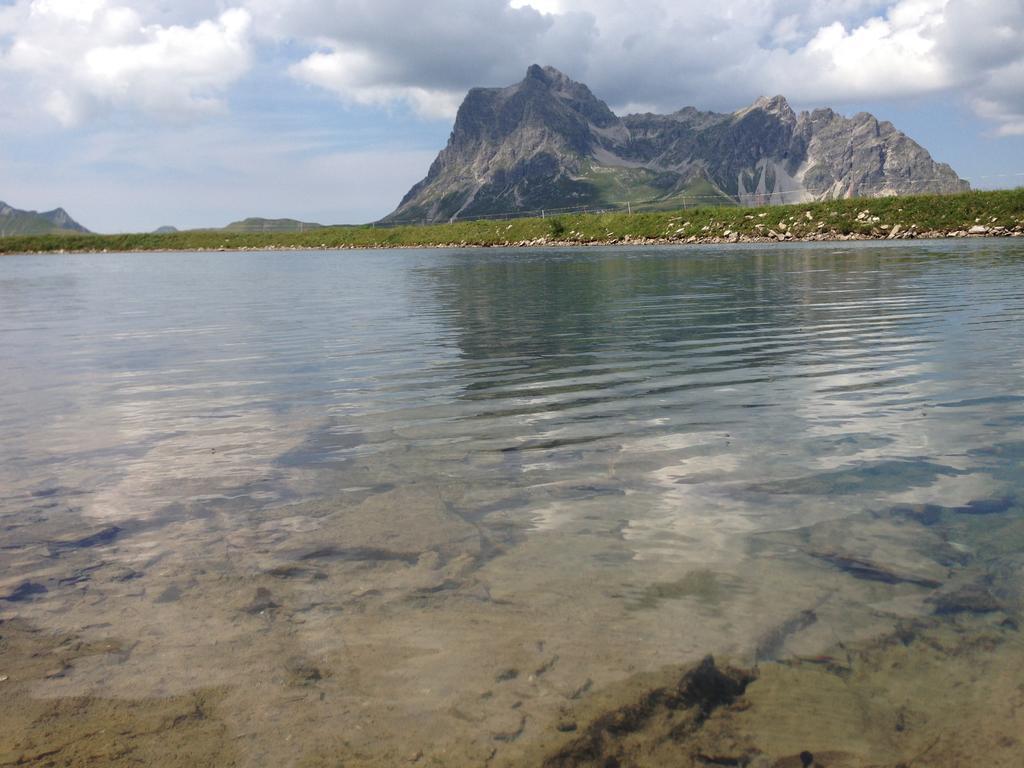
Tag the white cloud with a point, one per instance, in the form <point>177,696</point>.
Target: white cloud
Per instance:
<point>983,42</point>
<point>1000,99</point>
<point>77,57</point>
<point>423,54</point>
<point>544,6</point>
<point>350,75</point>
<point>883,57</point>
<point>662,53</point>
<point>73,58</point>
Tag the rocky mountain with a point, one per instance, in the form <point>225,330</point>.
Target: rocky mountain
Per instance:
<point>15,222</point>
<point>549,143</point>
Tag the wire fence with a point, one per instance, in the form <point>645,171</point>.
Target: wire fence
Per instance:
<point>678,202</point>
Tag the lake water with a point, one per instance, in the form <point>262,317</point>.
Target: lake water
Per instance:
<point>486,507</point>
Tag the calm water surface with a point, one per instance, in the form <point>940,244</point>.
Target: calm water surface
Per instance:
<point>446,507</point>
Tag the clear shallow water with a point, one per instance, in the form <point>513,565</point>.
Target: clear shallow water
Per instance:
<point>419,472</point>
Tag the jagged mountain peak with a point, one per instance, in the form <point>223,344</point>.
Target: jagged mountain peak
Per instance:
<point>776,106</point>
<point>549,142</point>
<point>575,95</point>
<point>544,95</point>
<point>555,81</point>
<point>548,75</point>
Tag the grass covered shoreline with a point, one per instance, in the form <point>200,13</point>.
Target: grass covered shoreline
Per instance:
<point>994,213</point>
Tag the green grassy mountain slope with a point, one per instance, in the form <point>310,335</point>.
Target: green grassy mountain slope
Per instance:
<point>15,222</point>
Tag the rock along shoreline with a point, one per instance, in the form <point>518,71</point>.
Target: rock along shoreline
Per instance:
<point>732,238</point>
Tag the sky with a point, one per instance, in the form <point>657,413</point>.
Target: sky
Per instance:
<point>133,114</point>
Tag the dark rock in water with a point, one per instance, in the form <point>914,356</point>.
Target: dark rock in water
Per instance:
<point>360,554</point>
<point>262,602</point>
<point>906,632</point>
<point>723,760</point>
<point>57,672</point>
<point>302,670</point>
<point>126,574</point>
<point>707,687</point>
<point>769,644</point>
<point>170,595</point>
<point>685,707</point>
<point>546,667</point>
<point>986,506</point>
<point>1006,581</point>
<point>510,736</point>
<point>925,514</point>
<point>80,575</point>
<point>296,572</point>
<point>104,536</point>
<point>973,598</point>
<point>578,692</point>
<point>587,491</point>
<point>871,571</point>
<point>27,590</point>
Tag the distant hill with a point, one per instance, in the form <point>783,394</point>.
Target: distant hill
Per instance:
<point>165,230</point>
<point>15,222</point>
<point>549,143</point>
<point>271,225</point>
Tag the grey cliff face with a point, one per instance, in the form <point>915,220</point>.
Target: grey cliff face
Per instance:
<point>549,143</point>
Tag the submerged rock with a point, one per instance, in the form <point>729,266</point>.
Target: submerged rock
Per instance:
<point>863,568</point>
<point>672,712</point>
<point>889,547</point>
<point>170,595</point>
<point>707,687</point>
<point>986,506</point>
<point>302,670</point>
<point>27,590</point>
<point>103,536</point>
<point>262,602</point>
<point>296,572</point>
<point>925,514</point>
<point>771,643</point>
<point>973,598</point>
